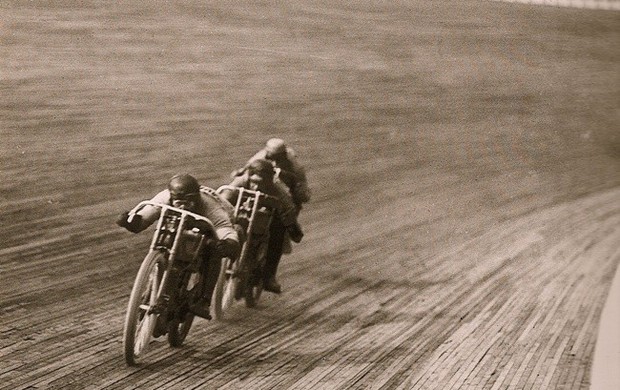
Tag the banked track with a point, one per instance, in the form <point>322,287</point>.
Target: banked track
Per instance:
<point>590,4</point>
<point>464,226</point>
<point>516,305</point>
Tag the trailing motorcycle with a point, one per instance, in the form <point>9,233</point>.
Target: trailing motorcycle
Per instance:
<point>167,281</point>
<point>243,279</point>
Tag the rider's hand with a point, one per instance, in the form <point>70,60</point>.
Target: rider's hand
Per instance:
<point>294,231</point>
<point>133,226</point>
<point>240,233</point>
<point>122,219</point>
<point>228,248</point>
<point>203,226</point>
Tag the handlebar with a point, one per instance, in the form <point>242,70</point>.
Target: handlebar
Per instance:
<point>245,190</point>
<point>165,207</point>
<point>261,199</point>
<point>220,189</point>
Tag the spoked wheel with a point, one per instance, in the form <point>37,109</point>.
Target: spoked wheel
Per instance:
<point>224,294</point>
<point>140,319</point>
<point>179,327</point>
<point>253,291</point>
<point>178,330</point>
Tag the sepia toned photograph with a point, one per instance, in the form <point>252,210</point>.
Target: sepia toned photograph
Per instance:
<point>360,194</point>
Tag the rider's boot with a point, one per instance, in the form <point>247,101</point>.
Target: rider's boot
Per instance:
<point>201,305</point>
<point>201,308</point>
<point>271,284</point>
<point>161,325</point>
<point>274,254</point>
<point>295,232</point>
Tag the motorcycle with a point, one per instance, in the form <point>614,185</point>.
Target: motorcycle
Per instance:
<point>167,281</point>
<point>253,211</point>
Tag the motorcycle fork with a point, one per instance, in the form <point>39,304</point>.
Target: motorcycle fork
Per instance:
<point>169,280</point>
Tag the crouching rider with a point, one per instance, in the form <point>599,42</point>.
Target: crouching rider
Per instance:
<point>259,175</point>
<point>291,171</point>
<point>184,192</point>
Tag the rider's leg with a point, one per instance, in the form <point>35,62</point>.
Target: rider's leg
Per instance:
<point>210,271</point>
<point>213,272</point>
<point>274,254</point>
<point>289,212</point>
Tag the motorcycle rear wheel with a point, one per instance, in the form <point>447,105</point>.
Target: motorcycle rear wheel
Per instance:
<point>139,320</point>
<point>178,330</point>
<point>179,326</point>
<point>253,291</point>
<point>224,294</point>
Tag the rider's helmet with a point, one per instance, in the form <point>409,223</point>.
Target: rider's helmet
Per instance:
<point>184,191</point>
<point>260,171</point>
<point>275,148</point>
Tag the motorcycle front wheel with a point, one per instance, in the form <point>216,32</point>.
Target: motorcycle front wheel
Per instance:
<point>140,319</point>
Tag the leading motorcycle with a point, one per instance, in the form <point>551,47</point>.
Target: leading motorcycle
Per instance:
<point>168,280</point>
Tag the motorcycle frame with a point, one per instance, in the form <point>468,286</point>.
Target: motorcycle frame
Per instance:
<point>257,197</point>
<point>180,228</point>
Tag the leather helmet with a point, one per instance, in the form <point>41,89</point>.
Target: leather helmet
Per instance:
<point>275,147</point>
<point>184,187</point>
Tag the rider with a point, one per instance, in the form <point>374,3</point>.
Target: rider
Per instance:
<point>184,192</point>
<point>259,176</point>
<point>292,173</point>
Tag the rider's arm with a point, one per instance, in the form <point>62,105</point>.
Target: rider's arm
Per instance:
<point>145,216</point>
<point>150,214</point>
<point>261,154</point>
<point>301,190</point>
<point>288,210</point>
<point>220,219</point>
<point>231,194</point>
<point>228,244</point>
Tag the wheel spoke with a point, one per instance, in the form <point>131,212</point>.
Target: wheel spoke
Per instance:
<point>143,334</point>
<point>146,324</point>
<point>193,281</point>
<point>229,293</point>
<point>140,321</point>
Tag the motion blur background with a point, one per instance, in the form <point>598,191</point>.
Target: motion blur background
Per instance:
<point>100,103</point>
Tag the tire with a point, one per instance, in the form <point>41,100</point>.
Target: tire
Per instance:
<point>253,291</point>
<point>139,325</point>
<point>179,327</point>
<point>254,284</point>
<point>224,294</point>
<point>178,330</point>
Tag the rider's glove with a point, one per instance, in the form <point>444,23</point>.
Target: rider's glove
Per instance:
<point>228,248</point>
<point>133,226</point>
<point>240,233</point>
<point>300,193</point>
<point>203,226</point>
<point>294,231</point>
